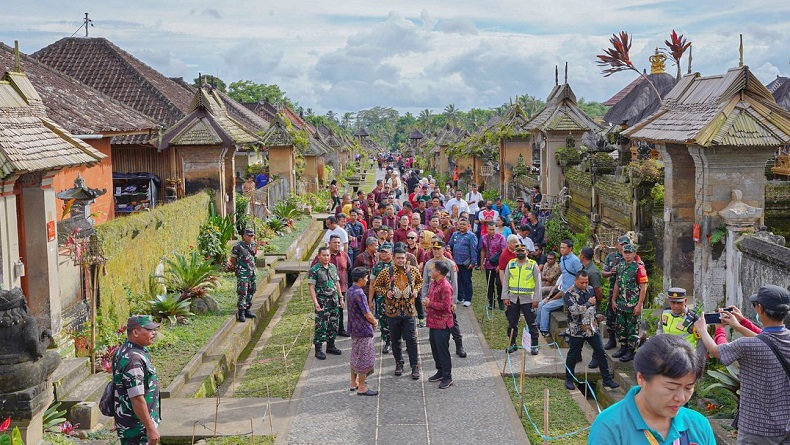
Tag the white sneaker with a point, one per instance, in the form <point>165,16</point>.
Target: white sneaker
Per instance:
<point>467,303</point>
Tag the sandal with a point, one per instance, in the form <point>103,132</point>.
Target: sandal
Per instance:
<point>369,392</point>
<point>353,388</point>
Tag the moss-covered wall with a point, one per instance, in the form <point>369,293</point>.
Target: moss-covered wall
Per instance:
<point>777,207</point>
<point>134,245</point>
<point>580,190</point>
<point>615,201</point>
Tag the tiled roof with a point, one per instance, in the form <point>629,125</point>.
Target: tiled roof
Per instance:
<point>29,141</point>
<point>243,114</point>
<point>782,93</point>
<point>641,100</point>
<point>622,93</point>
<point>207,123</point>
<point>99,63</point>
<point>264,110</point>
<point>75,106</point>
<point>561,113</point>
<point>776,83</point>
<point>732,109</point>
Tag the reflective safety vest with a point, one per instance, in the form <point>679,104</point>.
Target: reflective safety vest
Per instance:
<point>521,279</point>
<point>682,325</point>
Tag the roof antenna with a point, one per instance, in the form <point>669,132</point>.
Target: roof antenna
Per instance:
<point>200,80</point>
<point>566,73</point>
<point>18,66</point>
<point>556,75</point>
<point>740,52</point>
<point>690,48</point>
<point>87,22</point>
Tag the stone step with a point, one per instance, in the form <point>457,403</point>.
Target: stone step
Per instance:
<point>69,374</point>
<point>89,390</point>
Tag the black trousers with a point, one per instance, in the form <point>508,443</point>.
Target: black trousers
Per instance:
<point>440,349</point>
<point>340,325</point>
<point>575,351</point>
<point>494,286</point>
<point>455,331</point>
<point>513,312</point>
<point>418,306</point>
<point>403,327</point>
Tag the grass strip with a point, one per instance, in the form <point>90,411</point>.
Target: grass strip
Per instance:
<point>565,415</point>
<point>294,333</point>
<point>280,244</point>
<point>241,440</point>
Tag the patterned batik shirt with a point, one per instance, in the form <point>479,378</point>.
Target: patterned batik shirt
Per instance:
<point>134,375</point>
<point>629,277</point>
<point>245,258</point>
<point>404,284</point>
<point>581,313</point>
<point>324,279</point>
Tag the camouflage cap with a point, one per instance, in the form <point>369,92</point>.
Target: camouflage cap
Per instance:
<point>629,248</point>
<point>623,240</point>
<point>141,321</point>
<point>385,246</point>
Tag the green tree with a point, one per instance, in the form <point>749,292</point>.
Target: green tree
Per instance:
<point>450,114</point>
<point>210,80</point>
<point>247,91</point>
<point>593,109</point>
<point>346,121</point>
<point>426,120</point>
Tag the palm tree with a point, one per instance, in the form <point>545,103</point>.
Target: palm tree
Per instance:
<point>346,121</point>
<point>450,113</point>
<point>426,119</point>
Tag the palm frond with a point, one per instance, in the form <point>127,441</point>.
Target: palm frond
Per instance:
<point>676,46</point>
<point>617,58</point>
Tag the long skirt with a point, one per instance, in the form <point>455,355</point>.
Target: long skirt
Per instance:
<point>363,355</point>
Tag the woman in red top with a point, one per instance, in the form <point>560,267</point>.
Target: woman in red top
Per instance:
<point>439,319</point>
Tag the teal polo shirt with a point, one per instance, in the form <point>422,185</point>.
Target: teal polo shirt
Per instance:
<point>621,424</point>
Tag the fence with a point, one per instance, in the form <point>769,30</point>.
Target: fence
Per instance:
<point>267,196</point>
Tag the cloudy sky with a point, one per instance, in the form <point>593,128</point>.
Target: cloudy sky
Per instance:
<point>351,54</point>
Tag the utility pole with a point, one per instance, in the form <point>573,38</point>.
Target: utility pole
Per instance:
<point>87,22</point>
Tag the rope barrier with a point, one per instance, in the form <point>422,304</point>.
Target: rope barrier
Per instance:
<point>524,405</point>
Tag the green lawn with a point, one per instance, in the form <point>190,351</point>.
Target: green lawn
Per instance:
<point>565,416</point>
<point>279,244</point>
<point>241,440</point>
<point>268,376</point>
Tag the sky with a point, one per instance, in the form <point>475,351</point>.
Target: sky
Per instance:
<point>411,55</point>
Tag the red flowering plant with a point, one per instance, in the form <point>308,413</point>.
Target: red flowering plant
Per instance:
<point>617,58</point>
<point>676,47</point>
<point>15,438</point>
<point>108,343</point>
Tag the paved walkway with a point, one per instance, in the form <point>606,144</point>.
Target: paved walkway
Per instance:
<point>476,409</point>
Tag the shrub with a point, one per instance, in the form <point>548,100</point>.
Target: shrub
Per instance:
<point>191,276</point>
<point>285,210</point>
<point>242,218</point>
<point>170,307</point>
<point>214,237</point>
<point>276,225</point>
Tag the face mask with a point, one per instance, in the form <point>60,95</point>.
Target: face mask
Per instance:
<point>488,207</point>
<point>521,256</point>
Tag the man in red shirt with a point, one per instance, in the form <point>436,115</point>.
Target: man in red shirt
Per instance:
<point>507,255</point>
<point>403,230</point>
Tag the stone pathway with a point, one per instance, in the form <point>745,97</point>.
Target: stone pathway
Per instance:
<point>476,409</point>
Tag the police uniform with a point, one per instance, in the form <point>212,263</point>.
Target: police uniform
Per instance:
<point>522,283</point>
<point>682,324</point>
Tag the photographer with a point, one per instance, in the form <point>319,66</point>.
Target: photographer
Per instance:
<point>764,412</point>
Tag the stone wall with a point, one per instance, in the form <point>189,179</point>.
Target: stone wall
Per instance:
<point>777,207</point>
<point>581,192</point>
<point>614,203</point>
<point>761,261</point>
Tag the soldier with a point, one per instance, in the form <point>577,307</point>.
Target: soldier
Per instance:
<point>609,271</point>
<point>384,262</point>
<point>242,261</point>
<point>136,385</point>
<point>679,319</point>
<point>629,297</point>
<point>327,298</point>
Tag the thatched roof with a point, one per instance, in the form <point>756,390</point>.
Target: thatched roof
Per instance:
<point>733,109</point>
<point>29,140</point>
<point>641,100</point>
<point>561,113</point>
<point>782,93</point>
<point>621,94</point>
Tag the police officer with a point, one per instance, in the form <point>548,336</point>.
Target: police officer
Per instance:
<point>324,285</point>
<point>521,284</point>
<point>678,319</point>
<point>242,261</point>
<point>137,404</point>
<point>629,297</point>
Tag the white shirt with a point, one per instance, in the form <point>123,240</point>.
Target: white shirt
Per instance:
<point>527,242</point>
<point>462,206</point>
<point>476,197</point>
<point>339,231</point>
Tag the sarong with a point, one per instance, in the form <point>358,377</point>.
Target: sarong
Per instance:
<point>363,355</point>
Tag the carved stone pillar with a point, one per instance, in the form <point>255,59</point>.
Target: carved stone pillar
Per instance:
<point>739,218</point>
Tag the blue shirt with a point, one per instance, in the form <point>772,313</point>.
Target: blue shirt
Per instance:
<point>261,180</point>
<point>503,210</point>
<point>464,247</point>
<point>621,424</point>
<point>570,265</point>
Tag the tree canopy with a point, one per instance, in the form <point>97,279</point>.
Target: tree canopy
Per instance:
<point>247,91</point>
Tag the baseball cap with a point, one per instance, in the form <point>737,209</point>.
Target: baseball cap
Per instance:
<point>141,321</point>
<point>772,298</point>
<point>629,248</point>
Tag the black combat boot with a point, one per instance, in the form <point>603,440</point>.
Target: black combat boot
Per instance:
<point>240,316</point>
<point>459,348</point>
<point>620,352</point>
<point>319,353</point>
<point>611,344</point>
<point>332,349</point>
<point>248,313</point>
<point>629,354</point>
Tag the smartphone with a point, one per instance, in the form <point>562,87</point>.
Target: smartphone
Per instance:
<point>714,318</point>
<point>727,309</point>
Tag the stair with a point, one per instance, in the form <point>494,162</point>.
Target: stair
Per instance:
<point>70,373</point>
<point>89,390</point>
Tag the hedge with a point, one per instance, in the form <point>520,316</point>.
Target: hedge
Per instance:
<point>134,245</point>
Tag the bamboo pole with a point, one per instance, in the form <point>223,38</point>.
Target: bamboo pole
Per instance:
<point>193,432</point>
<point>216,415</point>
<point>521,382</point>
<point>504,365</point>
<point>269,410</point>
<point>546,416</point>
<point>252,433</point>
<point>287,377</point>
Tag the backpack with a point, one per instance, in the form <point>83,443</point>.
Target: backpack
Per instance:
<point>107,401</point>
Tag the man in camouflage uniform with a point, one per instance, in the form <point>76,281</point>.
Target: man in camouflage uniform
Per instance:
<point>629,296</point>
<point>609,271</point>
<point>242,261</point>
<point>384,262</point>
<point>137,403</point>
<point>324,285</point>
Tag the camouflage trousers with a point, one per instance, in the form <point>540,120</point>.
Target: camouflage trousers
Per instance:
<point>627,328</point>
<point>326,320</point>
<point>611,322</point>
<point>383,324</point>
<point>245,289</point>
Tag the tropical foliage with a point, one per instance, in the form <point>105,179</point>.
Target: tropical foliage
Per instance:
<point>53,416</point>
<point>676,47</point>
<point>214,236</point>
<point>190,275</point>
<point>170,307</point>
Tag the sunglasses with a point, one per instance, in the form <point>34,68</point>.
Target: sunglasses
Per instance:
<point>411,237</point>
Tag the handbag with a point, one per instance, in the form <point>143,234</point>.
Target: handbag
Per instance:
<point>494,259</point>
